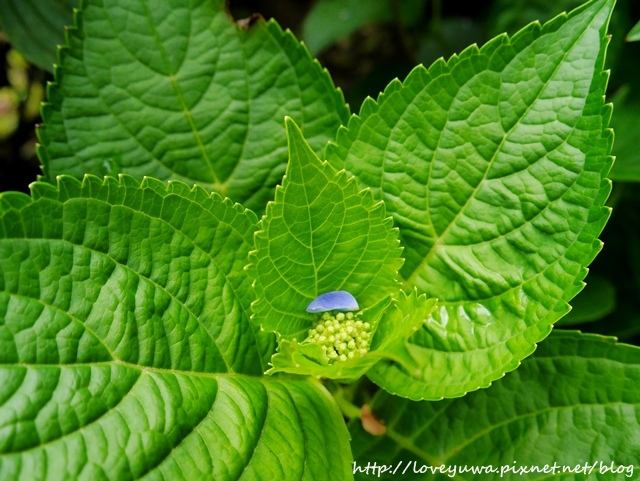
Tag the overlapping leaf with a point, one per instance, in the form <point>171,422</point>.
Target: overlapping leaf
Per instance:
<point>120,421</point>
<point>627,165</point>
<point>596,301</point>
<point>125,344</point>
<point>179,91</point>
<point>321,234</point>
<point>493,166</point>
<point>331,20</point>
<point>36,27</point>
<point>148,274</point>
<point>575,400</point>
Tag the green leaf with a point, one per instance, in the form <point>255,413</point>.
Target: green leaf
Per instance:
<point>574,401</point>
<point>634,33</point>
<point>619,263</point>
<point>623,323</point>
<point>36,27</point>
<point>331,20</point>
<point>626,103</point>
<point>126,348</point>
<point>408,315</point>
<point>181,92</point>
<point>106,420</point>
<point>511,15</point>
<point>150,274</point>
<point>321,234</point>
<point>493,166</point>
<point>594,302</point>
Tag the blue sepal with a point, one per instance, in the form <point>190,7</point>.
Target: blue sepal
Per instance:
<point>333,301</point>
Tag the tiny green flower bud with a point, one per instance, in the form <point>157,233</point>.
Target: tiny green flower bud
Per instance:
<point>340,335</point>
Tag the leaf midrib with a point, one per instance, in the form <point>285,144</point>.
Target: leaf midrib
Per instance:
<point>138,275</point>
<point>137,367</point>
<point>178,90</point>
<point>410,281</point>
<point>143,371</point>
<point>408,443</point>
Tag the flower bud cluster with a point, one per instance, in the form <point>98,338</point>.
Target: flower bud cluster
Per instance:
<point>341,336</point>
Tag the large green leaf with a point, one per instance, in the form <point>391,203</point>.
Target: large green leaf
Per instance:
<point>576,400</point>
<point>509,16</point>
<point>180,91</point>
<point>125,345</point>
<point>149,274</point>
<point>36,27</point>
<point>108,420</point>
<point>493,166</point>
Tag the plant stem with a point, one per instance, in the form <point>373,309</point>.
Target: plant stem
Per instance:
<point>348,409</point>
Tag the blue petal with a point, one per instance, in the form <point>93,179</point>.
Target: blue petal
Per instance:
<point>333,301</point>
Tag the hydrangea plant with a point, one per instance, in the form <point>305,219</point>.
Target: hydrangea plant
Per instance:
<point>219,259</point>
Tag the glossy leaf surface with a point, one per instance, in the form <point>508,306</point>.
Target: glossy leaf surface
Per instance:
<point>575,400</point>
<point>125,344</point>
<point>180,91</point>
<point>493,167</point>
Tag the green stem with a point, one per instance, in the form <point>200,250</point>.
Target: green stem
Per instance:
<point>348,409</point>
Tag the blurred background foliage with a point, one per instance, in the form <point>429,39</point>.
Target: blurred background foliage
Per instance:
<point>365,44</point>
